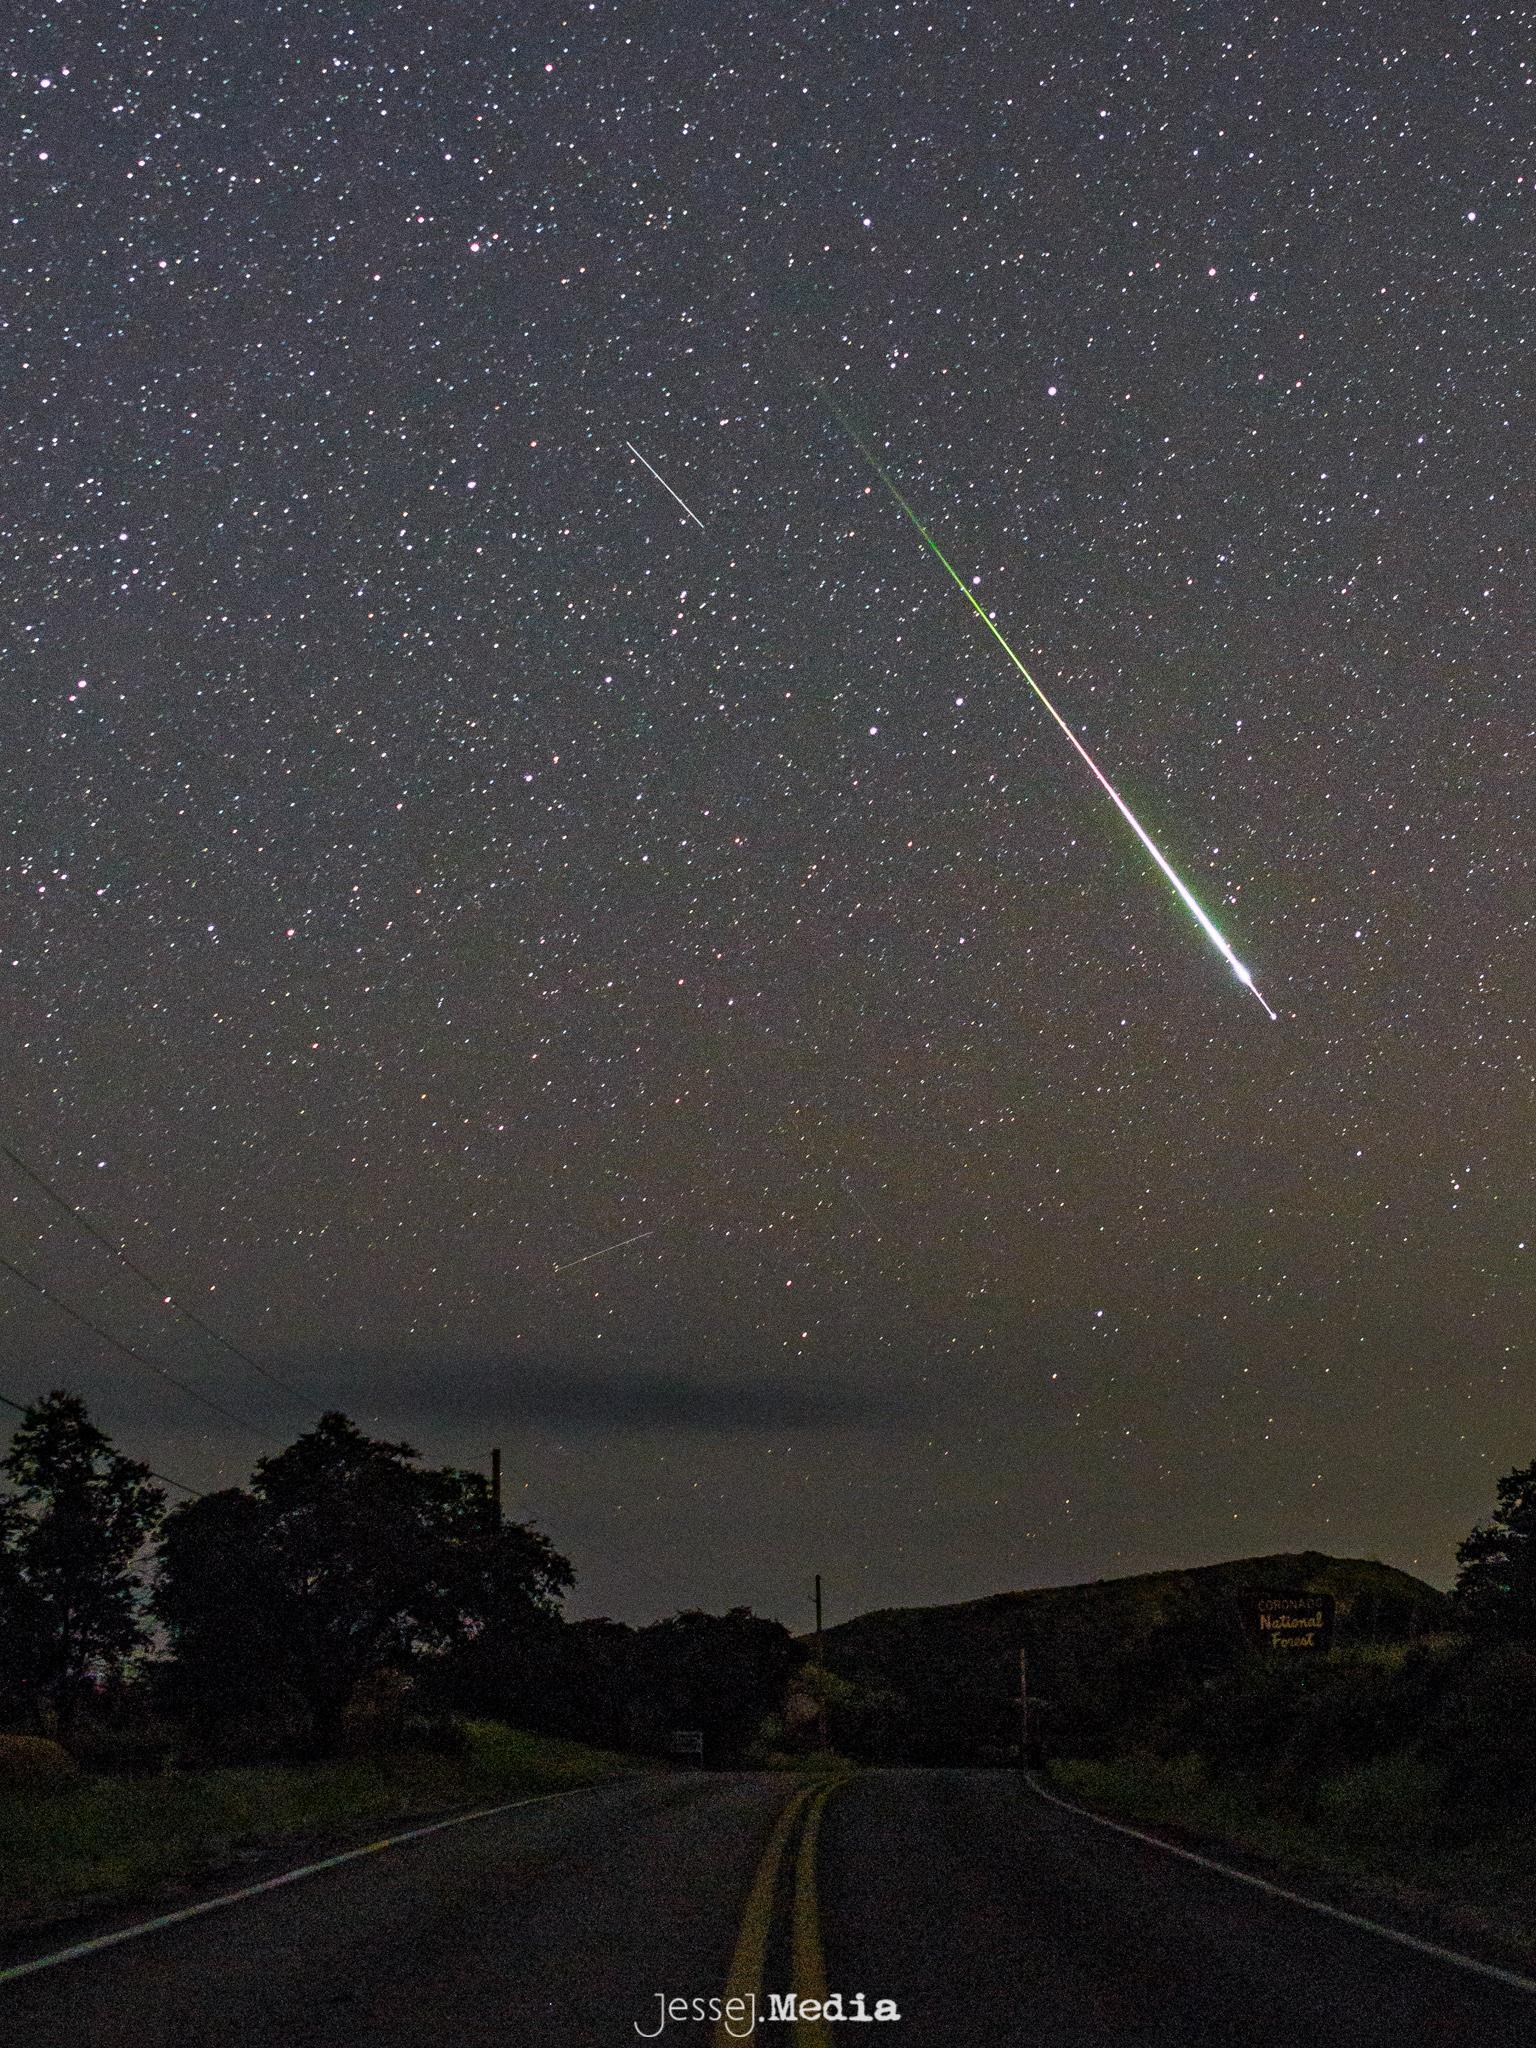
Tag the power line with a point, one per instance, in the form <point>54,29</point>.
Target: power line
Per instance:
<point>169,1301</point>
<point>128,1350</point>
<point>164,1477</point>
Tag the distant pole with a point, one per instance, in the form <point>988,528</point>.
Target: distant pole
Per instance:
<point>821,1695</point>
<point>1023,1708</point>
<point>496,1486</point>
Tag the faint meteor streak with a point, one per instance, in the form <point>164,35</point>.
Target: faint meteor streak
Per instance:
<point>603,1250</point>
<point>853,1195</point>
<point>1180,888</point>
<point>698,522</point>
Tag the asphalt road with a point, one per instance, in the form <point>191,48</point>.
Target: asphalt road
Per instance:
<point>987,1917</point>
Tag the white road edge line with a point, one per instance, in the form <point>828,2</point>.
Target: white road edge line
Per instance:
<point>1277,1891</point>
<point>272,1884</point>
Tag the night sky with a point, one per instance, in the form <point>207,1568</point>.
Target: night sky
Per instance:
<point>430,856</point>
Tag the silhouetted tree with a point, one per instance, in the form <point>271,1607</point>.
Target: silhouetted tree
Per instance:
<point>70,1608</point>
<point>344,1559</point>
<point>1496,1585</point>
<point>559,1677</point>
<point>20,1615</point>
<point>720,1673</point>
<point>598,1680</point>
<point>222,1608</point>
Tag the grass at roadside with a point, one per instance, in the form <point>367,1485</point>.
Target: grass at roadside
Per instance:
<point>1377,1836</point>
<point>812,1763</point>
<point>106,1840</point>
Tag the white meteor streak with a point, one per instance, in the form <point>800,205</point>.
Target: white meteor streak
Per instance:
<point>603,1250</point>
<point>1176,882</point>
<point>698,522</point>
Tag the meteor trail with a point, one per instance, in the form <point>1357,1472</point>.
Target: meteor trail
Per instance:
<point>603,1250</point>
<point>698,522</point>
<point>852,1193</point>
<point>1180,889</point>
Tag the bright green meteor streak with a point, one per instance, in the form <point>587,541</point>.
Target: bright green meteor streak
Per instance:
<point>1180,889</point>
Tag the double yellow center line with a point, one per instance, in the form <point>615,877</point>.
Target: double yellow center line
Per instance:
<point>808,1969</point>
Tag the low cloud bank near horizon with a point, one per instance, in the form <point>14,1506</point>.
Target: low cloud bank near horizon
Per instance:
<point>582,1400</point>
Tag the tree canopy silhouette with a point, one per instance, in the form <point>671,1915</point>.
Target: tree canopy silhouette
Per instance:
<point>1496,1585</point>
<point>343,1558</point>
<point>69,1596</point>
<point>719,1673</point>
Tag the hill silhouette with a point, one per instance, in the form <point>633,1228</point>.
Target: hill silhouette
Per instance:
<point>1100,1654</point>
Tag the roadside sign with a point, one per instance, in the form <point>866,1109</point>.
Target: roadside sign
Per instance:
<point>1288,1624</point>
<point>686,1742</point>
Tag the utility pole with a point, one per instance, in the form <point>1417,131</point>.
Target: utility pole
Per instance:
<point>1023,1708</point>
<point>496,1486</point>
<point>821,1674</point>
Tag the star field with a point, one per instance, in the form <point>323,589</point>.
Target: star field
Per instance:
<point>428,857</point>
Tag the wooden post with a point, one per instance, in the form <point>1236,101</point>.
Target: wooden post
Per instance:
<point>1023,1708</point>
<point>496,1486</point>
<point>821,1673</point>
